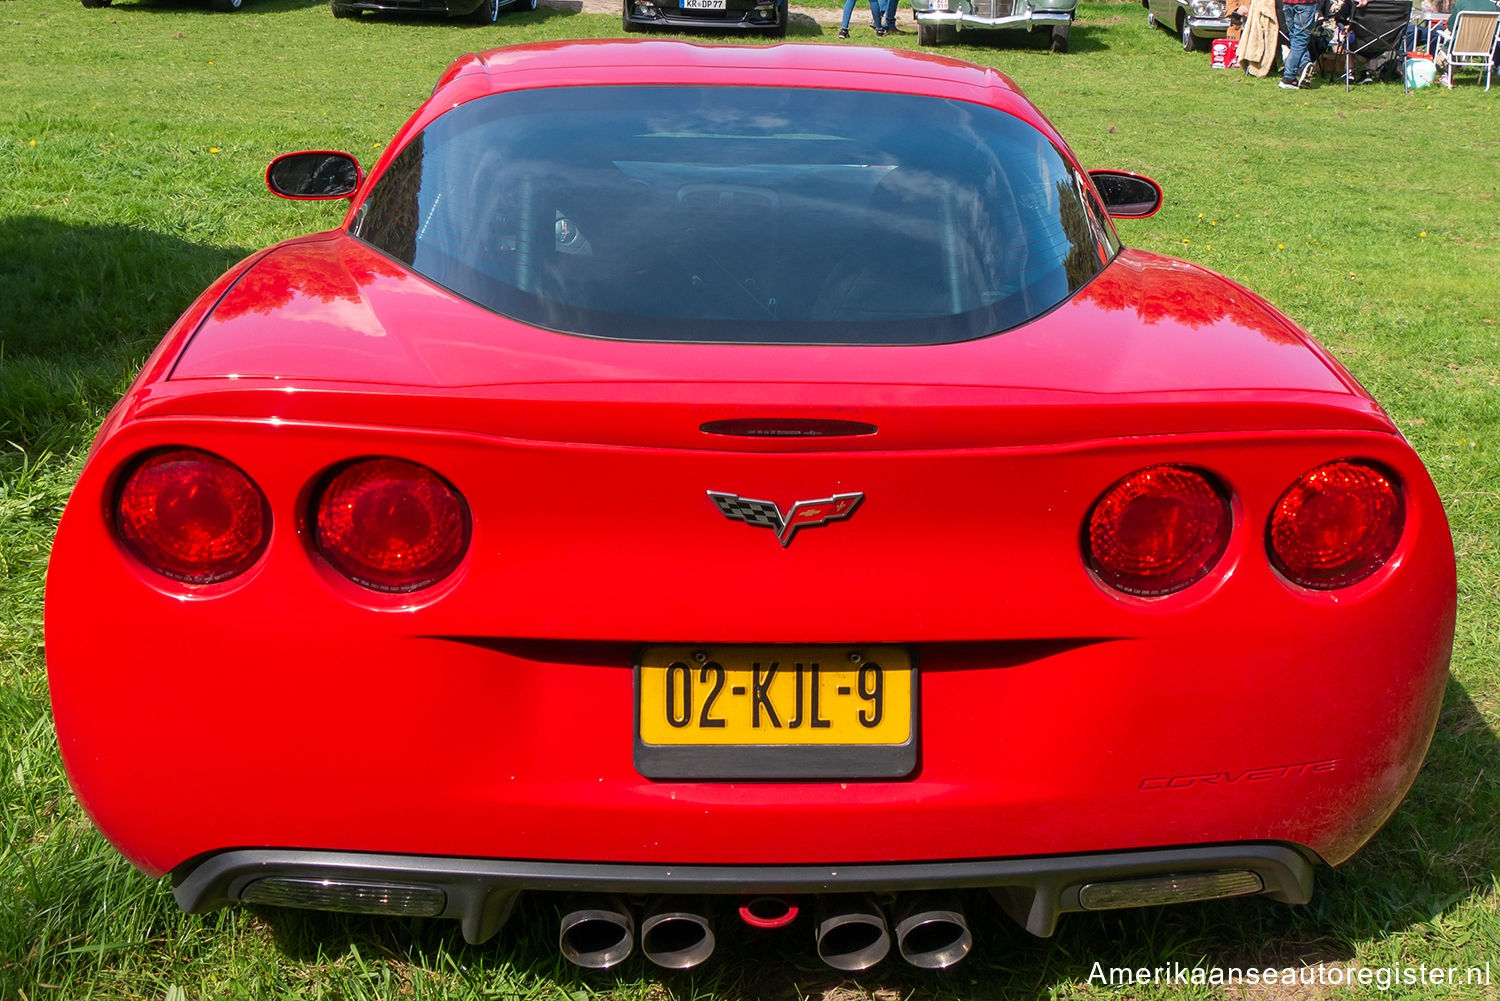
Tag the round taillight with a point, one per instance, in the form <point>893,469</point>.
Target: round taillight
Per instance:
<point>390,525</point>
<point>1336,525</point>
<point>1158,530</point>
<point>191,516</point>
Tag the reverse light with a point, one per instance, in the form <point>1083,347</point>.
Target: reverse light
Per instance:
<point>191,516</point>
<point>390,525</point>
<point>347,896</point>
<point>1174,889</point>
<point>1157,530</point>
<point>1336,525</point>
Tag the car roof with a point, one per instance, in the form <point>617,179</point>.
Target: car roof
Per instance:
<point>666,62</point>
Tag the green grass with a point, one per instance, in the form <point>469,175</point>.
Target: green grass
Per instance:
<point>132,141</point>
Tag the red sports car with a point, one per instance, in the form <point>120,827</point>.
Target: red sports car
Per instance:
<point>706,477</point>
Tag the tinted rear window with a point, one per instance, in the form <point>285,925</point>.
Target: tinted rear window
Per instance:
<point>747,214</point>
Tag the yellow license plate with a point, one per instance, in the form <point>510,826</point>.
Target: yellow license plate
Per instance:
<point>775,711</point>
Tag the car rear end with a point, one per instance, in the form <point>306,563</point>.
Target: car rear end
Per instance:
<point>547,714</point>
<point>439,569</point>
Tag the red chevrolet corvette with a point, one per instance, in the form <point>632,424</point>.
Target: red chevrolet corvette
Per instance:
<point>703,477</point>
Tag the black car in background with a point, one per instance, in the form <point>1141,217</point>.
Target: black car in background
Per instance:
<point>478,11</point>
<point>766,16</point>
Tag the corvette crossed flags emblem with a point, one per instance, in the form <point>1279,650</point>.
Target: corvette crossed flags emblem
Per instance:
<point>803,513</point>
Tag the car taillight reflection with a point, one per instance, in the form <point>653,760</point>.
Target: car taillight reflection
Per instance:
<point>1158,530</point>
<point>191,516</point>
<point>1336,525</point>
<point>390,525</point>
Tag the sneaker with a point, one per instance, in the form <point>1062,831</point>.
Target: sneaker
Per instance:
<point>1304,78</point>
<point>843,32</point>
<point>1288,85</point>
<point>879,32</point>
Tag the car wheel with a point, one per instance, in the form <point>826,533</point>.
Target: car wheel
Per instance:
<point>626,24</point>
<point>1060,37</point>
<point>778,30</point>
<point>487,12</point>
<point>339,10</point>
<point>1189,40</point>
<point>528,5</point>
<point>96,3</point>
<point>1150,18</point>
<point>227,5</point>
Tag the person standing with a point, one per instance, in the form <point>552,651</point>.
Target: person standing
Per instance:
<point>889,8</point>
<point>1301,16</point>
<point>875,12</point>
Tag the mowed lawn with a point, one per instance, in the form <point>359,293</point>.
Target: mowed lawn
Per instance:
<point>132,144</point>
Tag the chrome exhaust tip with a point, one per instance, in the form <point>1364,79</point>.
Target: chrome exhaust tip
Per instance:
<point>676,933</point>
<point>597,934</point>
<point>851,932</point>
<point>932,932</point>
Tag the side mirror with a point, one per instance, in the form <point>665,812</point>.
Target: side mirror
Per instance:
<point>314,175</point>
<point>1126,195</point>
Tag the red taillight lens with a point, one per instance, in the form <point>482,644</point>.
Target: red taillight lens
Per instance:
<point>191,516</point>
<point>390,525</point>
<point>1158,530</point>
<point>1336,525</point>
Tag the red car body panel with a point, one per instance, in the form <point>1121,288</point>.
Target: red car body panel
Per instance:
<point>491,715</point>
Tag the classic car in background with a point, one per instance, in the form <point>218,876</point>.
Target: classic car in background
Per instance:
<point>1196,22</point>
<point>699,479</point>
<point>939,21</point>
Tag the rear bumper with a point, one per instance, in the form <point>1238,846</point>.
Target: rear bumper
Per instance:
<point>480,893</point>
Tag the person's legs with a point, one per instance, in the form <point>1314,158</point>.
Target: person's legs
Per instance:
<point>848,13</point>
<point>890,14</point>
<point>1299,21</point>
<point>876,12</point>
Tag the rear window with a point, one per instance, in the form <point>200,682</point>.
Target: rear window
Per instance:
<point>743,215</point>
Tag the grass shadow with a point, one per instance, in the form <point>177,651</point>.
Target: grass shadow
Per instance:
<point>1081,41</point>
<point>84,306</point>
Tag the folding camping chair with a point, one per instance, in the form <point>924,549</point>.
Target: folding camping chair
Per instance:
<point>1472,43</point>
<point>1376,29</point>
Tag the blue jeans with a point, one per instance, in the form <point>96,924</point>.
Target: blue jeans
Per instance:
<point>849,12</point>
<point>1300,18</point>
<point>889,8</point>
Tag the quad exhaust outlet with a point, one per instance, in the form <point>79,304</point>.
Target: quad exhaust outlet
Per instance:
<point>676,932</point>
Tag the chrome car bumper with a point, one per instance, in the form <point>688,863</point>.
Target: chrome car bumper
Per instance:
<point>1208,27</point>
<point>976,21</point>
